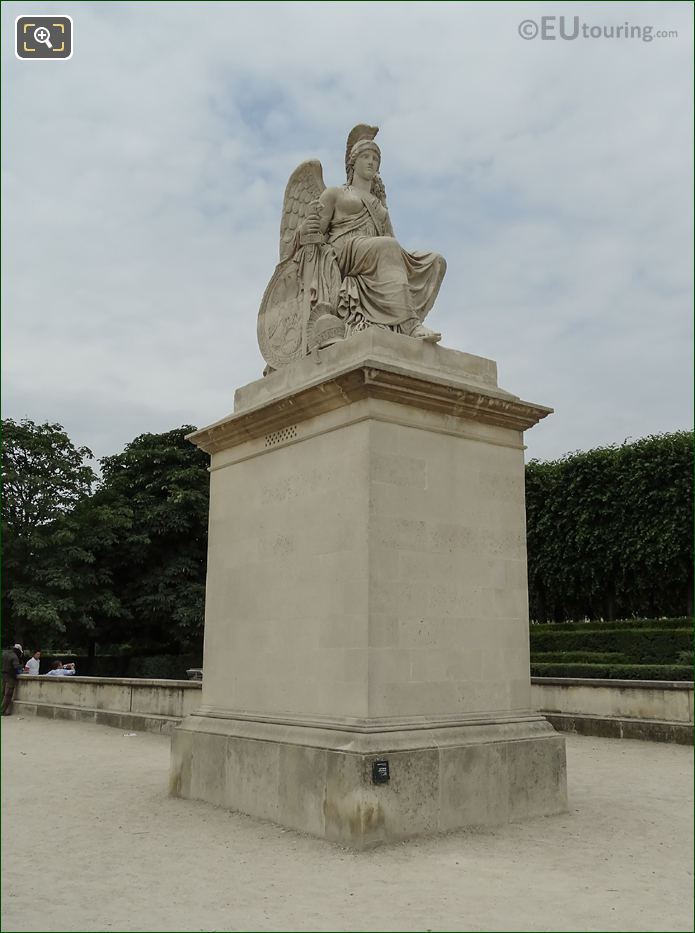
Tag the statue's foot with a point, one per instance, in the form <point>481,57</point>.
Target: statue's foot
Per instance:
<point>424,333</point>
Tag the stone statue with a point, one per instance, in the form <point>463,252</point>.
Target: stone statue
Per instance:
<point>341,269</point>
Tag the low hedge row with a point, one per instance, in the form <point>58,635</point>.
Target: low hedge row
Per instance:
<point>594,626</point>
<point>614,671</point>
<point>579,657</point>
<point>638,646</point>
<point>163,666</point>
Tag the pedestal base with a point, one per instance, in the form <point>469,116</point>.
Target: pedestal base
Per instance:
<point>319,780</point>
<point>366,600</point>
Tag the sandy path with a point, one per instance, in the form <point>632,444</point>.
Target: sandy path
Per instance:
<point>91,842</point>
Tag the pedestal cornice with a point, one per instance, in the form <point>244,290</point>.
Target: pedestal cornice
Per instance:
<point>377,375</point>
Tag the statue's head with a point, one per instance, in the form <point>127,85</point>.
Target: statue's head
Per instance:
<point>369,154</point>
<point>365,155</point>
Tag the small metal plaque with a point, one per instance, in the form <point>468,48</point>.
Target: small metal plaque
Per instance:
<point>380,772</point>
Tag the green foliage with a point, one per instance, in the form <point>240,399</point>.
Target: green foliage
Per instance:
<point>609,531</point>
<point>614,671</point>
<point>158,486</point>
<point>44,475</point>
<point>637,646</point>
<point>164,666</point>
<point>579,657</point>
<point>598,625</point>
<point>647,649</point>
<point>123,564</point>
<point>50,582</point>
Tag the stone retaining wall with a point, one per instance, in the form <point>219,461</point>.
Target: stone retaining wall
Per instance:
<point>639,709</point>
<point>660,711</point>
<point>127,703</point>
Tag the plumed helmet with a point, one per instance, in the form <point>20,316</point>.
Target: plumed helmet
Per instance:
<point>359,134</point>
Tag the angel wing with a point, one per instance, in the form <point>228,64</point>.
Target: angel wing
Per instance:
<point>305,185</point>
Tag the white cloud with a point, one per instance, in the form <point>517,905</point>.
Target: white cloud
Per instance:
<point>143,182</point>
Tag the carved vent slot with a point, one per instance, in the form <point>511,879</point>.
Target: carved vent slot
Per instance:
<point>277,437</point>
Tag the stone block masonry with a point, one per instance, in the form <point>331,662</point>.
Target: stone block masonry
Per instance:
<point>366,598</point>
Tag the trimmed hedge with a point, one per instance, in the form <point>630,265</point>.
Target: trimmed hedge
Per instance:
<point>614,671</point>
<point>639,646</point>
<point>163,666</point>
<point>579,657</point>
<point>597,626</point>
<point>642,649</point>
<point>610,531</point>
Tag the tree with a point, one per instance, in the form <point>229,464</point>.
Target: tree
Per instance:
<point>158,489</point>
<point>44,475</point>
<point>125,564</point>
<point>46,482</point>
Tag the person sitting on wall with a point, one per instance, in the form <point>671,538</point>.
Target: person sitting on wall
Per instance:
<point>11,670</point>
<point>32,665</point>
<point>58,669</point>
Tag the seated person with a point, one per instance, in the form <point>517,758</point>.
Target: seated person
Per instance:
<point>58,669</point>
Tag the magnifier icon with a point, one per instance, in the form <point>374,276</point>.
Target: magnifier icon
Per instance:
<point>41,34</point>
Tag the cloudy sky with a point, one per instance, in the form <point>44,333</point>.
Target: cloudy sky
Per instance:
<point>143,183</point>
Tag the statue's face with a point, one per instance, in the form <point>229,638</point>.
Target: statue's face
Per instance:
<point>367,164</point>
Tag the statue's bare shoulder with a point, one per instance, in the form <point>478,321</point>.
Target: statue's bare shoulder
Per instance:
<point>341,202</point>
<point>330,196</point>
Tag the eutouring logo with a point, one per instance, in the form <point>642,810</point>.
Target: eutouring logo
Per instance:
<point>568,28</point>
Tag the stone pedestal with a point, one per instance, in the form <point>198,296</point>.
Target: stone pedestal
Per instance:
<point>367,600</point>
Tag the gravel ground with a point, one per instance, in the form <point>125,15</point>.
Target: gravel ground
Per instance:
<point>92,842</point>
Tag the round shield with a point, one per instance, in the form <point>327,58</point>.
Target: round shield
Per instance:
<point>281,335</point>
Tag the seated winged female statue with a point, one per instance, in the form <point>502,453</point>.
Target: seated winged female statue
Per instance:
<point>341,268</point>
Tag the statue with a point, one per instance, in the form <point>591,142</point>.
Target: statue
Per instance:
<point>341,269</point>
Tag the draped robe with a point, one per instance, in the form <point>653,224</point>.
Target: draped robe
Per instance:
<point>382,284</point>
